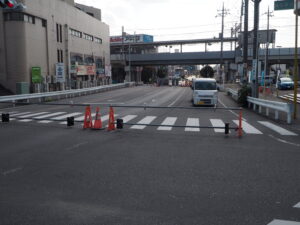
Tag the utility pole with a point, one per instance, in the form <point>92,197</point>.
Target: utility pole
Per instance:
<point>296,68</point>
<point>245,41</point>
<point>266,69</point>
<point>223,13</point>
<point>256,46</point>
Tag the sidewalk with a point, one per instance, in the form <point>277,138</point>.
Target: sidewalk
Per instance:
<point>273,97</point>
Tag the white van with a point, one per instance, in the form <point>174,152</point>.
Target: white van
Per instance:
<point>205,91</point>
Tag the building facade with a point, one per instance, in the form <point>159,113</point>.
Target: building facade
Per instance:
<point>52,45</point>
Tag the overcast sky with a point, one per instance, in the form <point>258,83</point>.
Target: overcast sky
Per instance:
<point>188,19</point>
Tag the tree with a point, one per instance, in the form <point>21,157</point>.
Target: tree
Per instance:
<point>207,72</point>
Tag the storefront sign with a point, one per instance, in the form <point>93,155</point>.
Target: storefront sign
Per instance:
<point>108,70</point>
<point>91,70</point>
<point>81,70</point>
<point>60,72</point>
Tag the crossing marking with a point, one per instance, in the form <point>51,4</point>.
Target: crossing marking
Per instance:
<point>78,119</point>
<point>297,205</point>
<point>128,118</point>
<point>67,115</point>
<point>247,128</point>
<point>45,121</point>
<point>277,129</point>
<point>218,123</point>
<point>19,114</point>
<point>49,115</point>
<point>146,120</point>
<point>25,120</point>
<point>168,121</point>
<point>283,222</point>
<point>192,122</point>
<point>32,115</point>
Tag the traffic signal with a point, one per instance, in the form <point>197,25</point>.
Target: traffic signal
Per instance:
<point>7,4</point>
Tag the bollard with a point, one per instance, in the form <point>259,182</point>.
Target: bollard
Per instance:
<point>5,117</point>
<point>120,124</point>
<point>226,128</point>
<point>70,121</point>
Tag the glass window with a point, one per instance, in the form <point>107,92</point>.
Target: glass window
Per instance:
<point>205,85</point>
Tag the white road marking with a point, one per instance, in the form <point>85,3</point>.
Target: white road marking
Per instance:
<point>283,222</point>
<point>11,171</point>
<point>284,141</point>
<point>168,121</point>
<point>146,120</point>
<point>45,121</point>
<point>31,115</point>
<point>49,115</point>
<point>247,128</point>
<point>277,129</point>
<point>67,115</point>
<point>173,103</point>
<point>192,122</point>
<point>128,118</point>
<point>218,123</point>
<point>297,205</point>
<point>19,114</point>
<point>25,120</point>
<point>76,146</point>
<point>230,110</point>
<point>78,119</point>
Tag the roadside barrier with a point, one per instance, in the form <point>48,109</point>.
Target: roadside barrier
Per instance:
<point>114,124</point>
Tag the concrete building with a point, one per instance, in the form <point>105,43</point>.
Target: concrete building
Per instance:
<point>53,45</point>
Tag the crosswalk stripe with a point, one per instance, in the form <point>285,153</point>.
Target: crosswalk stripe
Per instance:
<point>45,121</point>
<point>192,122</point>
<point>277,129</point>
<point>218,123</point>
<point>67,115</point>
<point>297,205</point>
<point>168,121</point>
<point>247,128</point>
<point>283,222</point>
<point>19,114</point>
<point>25,120</point>
<point>32,115</point>
<point>128,118</point>
<point>146,120</point>
<point>49,115</point>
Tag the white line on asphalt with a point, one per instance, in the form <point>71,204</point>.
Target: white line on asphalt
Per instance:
<point>277,129</point>
<point>78,119</point>
<point>247,128</point>
<point>192,122</point>
<point>32,115</point>
<point>25,120</point>
<point>128,118</point>
<point>283,222</point>
<point>297,205</point>
<point>11,171</point>
<point>218,123</point>
<point>76,146</point>
<point>230,110</point>
<point>49,115</point>
<point>168,121</point>
<point>284,141</point>
<point>19,114</point>
<point>173,103</point>
<point>146,120</point>
<point>67,115</point>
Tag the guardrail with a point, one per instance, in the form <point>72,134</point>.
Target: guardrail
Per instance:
<point>63,94</point>
<point>233,93</point>
<point>277,106</point>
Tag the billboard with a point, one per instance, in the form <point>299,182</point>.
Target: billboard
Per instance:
<point>138,38</point>
<point>36,75</point>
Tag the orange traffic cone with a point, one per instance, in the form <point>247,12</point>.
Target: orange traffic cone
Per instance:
<point>88,123</point>
<point>98,122</point>
<point>111,122</point>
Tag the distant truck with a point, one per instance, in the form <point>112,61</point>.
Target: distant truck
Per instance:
<point>205,91</point>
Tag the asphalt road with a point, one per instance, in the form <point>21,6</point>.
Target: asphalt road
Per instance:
<point>51,174</point>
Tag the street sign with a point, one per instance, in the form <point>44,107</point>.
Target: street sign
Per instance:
<point>284,5</point>
<point>36,75</point>
<point>60,73</point>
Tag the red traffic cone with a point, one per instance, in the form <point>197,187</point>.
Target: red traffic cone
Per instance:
<point>88,123</point>
<point>98,122</point>
<point>111,122</point>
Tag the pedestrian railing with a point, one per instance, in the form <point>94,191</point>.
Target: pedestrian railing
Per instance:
<point>277,106</point>
<point>62,94</point>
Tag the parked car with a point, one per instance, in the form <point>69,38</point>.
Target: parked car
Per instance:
<point>285,83</point>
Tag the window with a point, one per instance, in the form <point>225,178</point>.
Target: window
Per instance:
<point>44,23</point>
<point>59,32</point>
<point>98,40</point>
<point>88,37</point>
<point>29,19</point>
<point>60,56</point>
<point>75,33</point>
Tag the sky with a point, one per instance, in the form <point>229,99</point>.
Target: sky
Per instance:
<point>189,19</point>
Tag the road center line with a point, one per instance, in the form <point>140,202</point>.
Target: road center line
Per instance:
<point>173,103</point>
<point>230,110</point>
